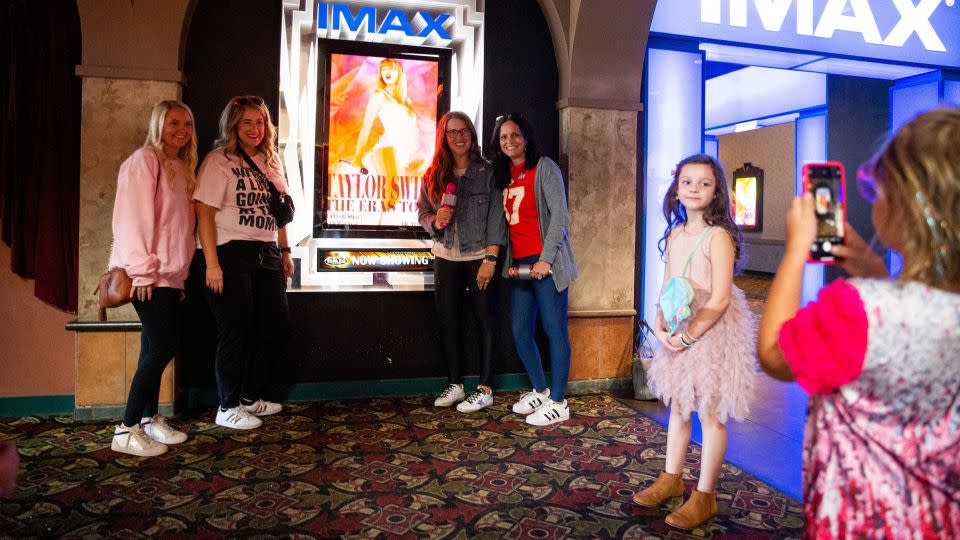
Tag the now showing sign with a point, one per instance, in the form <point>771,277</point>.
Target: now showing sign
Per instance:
<point>908,31</point>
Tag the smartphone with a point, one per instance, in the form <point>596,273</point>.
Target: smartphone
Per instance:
<point>827,183</point>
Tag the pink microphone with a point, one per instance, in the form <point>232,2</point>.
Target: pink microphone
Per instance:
<point>449,199</point>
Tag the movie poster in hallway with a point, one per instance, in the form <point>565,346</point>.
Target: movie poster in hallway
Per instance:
<point>383,114</point>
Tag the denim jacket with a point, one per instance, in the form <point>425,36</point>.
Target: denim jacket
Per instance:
<point>479,212</point>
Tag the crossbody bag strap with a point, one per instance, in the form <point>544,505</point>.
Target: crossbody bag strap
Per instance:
<point>700,237</point>
<point>250,162</point>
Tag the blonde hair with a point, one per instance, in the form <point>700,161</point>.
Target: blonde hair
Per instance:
<point>918,171</point>
<point>187,154</point>
<point>230,119</point>
<point>398,90</point>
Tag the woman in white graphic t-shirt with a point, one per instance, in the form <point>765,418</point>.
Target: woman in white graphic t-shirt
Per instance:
<point>247,259</point>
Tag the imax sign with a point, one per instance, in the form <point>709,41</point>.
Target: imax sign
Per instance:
<point>836,15</point>
<point>395,25</point>
<point>914,31</point>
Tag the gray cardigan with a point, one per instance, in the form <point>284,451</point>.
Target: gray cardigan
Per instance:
<point>554,225</point>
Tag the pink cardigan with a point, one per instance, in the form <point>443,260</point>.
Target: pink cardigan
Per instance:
<point>153,225</point>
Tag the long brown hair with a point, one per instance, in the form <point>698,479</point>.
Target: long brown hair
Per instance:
<point>918,171</point>
<point>440,172</point>
<point>719,213</point>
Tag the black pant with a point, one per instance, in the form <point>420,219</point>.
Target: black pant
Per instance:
<point>158,344</point>
<point>450,280</point>
<point>253,321</point>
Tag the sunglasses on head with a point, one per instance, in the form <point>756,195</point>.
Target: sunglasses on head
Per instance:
<point>247,100</point>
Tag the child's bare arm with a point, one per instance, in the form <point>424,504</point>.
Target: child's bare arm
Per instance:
<point>783,299</point>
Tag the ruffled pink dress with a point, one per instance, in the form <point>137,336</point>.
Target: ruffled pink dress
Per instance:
<point>717,374</point>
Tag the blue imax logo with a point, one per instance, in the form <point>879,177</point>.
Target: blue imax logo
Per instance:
<point>335,16</point>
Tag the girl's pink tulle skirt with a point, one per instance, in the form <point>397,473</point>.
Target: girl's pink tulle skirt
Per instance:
<point>718,373</point>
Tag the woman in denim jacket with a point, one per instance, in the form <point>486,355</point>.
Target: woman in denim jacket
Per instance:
<point>467,233</point>
<point>535,202</point>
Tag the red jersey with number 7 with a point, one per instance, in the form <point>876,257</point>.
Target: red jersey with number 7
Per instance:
<point>520,205</point>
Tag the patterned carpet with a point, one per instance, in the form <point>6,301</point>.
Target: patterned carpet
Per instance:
<point>382,468</point>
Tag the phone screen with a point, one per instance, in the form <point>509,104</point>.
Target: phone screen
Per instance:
<point>826,183</point>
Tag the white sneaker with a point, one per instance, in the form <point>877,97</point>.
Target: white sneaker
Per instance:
<point>550,412</point>
<point>134,441</point>
<point>477,400</point>
<point>159,430</point>
<point>237,418</point>
<point>530,401</point>
<point>451,394</point>
<point>263,408</point>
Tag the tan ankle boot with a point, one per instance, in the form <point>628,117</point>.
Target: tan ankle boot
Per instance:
<point>699,508</point>
<point>666,486</point>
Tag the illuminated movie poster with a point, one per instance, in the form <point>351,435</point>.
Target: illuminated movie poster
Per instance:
<point>745,197</point>
<point>383,115</point>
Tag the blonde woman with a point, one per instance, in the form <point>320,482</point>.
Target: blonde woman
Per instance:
<point>153,226</point>
<point>247,259</point>
<point>392,152</point>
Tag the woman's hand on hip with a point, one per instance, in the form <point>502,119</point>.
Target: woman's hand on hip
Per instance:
<point>287,265</point>
<point>215,279</point>
<point>142,293</point>
<point>485,274</point>
<point>540,270</point>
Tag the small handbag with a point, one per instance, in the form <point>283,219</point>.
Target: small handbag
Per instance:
<point>281,204</point>
<point>642,358</point>
<point>678,293</point>
<point>113,290</point>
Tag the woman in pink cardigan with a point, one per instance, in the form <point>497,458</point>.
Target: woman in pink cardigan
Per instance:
<point>153,240</point>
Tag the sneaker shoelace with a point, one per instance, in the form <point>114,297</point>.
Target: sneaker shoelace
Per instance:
<point>476,396</point>
<point>138,435</point>
<point>160,424</point>
<point>533,399</point>
<point>448,391</point>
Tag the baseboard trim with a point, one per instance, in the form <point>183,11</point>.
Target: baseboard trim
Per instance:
<point>37,405</point>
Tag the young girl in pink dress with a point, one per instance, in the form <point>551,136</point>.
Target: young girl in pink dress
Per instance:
<point>706,363</point>
<point>880,357</point>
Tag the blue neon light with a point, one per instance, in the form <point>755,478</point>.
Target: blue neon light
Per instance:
<point>674,124</point>
<point>912,31</point>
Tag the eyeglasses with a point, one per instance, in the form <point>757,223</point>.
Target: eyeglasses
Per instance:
<point>454,133</point>
<point>243,101</point>
<point>867,185</point>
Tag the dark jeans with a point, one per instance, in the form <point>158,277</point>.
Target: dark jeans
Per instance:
<point>451,278</point>
<point>158,344</point>
<point>252,317</point>
<point>527,299</point>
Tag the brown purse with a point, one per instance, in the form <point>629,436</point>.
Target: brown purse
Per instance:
<point>113,290</point>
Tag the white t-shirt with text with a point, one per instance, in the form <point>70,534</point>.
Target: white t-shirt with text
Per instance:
<point>242,199</point>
